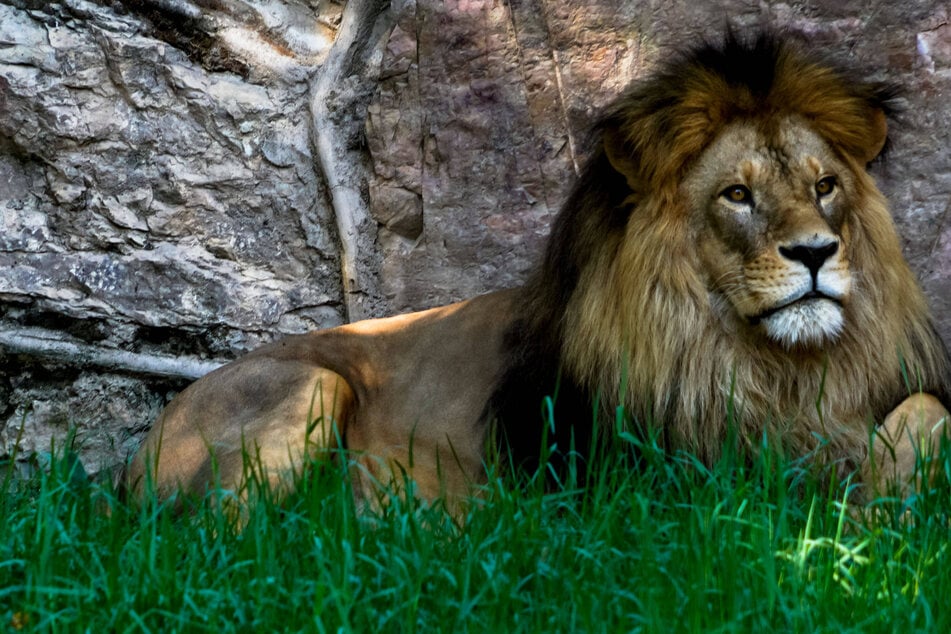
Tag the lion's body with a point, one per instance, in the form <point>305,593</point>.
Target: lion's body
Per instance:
<point>380,387</point>
<point>724,259</point>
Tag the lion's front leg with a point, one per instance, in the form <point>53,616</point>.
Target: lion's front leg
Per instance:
<point>905,446</point>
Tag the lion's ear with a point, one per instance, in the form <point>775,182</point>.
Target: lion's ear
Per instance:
<point>620,156</point>
<point>876,136</point>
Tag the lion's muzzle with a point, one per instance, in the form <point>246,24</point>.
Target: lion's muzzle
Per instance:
<point>812,256</point>
<point>807,308</point>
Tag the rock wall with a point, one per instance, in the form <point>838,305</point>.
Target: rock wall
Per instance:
<point>181,180</point>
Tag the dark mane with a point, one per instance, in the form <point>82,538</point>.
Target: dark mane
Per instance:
<point>595,211</point>
<point>662,124</point>
<point>668,119</point>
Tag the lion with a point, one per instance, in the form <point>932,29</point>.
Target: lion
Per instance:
<point>724,262</point>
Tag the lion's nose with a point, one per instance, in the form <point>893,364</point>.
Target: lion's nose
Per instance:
<point>813,256</point>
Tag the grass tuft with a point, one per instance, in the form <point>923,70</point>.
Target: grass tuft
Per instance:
<point>653,542</point>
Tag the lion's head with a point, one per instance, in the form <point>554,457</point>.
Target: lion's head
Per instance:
<point>726,251</point>
<point>725,258</point>
<point>770,209</point>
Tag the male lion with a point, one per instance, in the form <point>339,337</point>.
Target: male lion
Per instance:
<point>724,259</point>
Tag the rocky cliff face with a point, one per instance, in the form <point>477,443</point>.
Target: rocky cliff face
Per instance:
<point>181,180</point>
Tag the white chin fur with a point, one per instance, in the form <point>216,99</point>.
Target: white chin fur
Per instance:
<point>811,323</point>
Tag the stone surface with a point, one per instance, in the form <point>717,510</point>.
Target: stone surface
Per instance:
<point>156,197</point>
<point>180,181</point>
<point>508,90</point>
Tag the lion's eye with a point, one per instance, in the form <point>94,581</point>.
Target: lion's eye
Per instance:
<point>825,186</point>
<point>738,194</point>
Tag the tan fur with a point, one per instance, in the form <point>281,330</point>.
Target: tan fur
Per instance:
<point>661,318</point>
<point>404,394</point>
<point>654,295</point>
<point>671,299</point>
<point>904,447</point>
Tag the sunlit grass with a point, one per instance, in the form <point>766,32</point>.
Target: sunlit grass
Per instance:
<point>655,543</point>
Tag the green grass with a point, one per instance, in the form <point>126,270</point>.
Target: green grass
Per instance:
<point>654,544</point>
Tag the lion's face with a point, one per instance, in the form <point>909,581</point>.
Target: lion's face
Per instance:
<point>770,209</point>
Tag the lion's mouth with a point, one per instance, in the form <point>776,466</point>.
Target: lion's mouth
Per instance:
<point>807,297</point>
